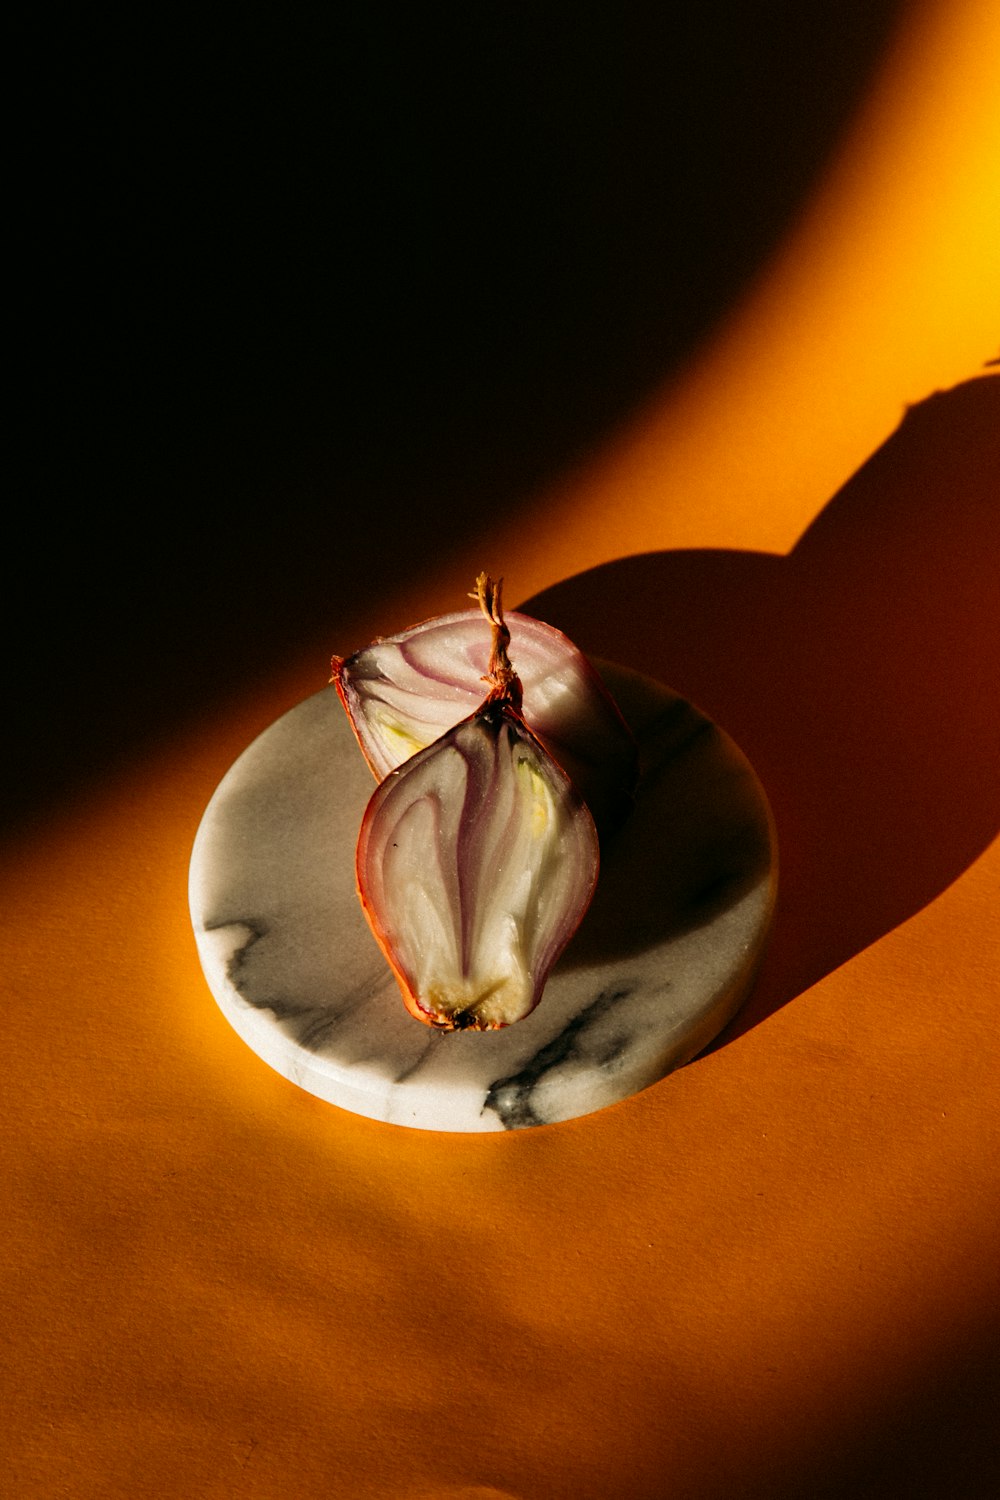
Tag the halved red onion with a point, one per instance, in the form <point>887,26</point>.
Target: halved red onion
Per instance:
<point>402,692</point>
<point>476,861</point>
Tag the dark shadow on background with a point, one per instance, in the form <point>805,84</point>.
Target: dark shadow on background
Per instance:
<point>927,1432</point>
<point>860,674</point>
<point>920,1429</point>
<point>305,298</point>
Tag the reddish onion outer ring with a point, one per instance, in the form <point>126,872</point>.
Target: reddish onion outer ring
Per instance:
<point>587,855</point>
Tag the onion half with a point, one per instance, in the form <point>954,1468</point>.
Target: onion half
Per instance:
<point>476,861</point>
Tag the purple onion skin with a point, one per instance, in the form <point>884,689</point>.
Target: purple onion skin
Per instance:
<point>476,861</point>
<point>402,692</point>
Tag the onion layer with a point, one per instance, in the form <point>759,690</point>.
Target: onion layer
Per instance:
<point>402,692</point>
<point>476,861</point>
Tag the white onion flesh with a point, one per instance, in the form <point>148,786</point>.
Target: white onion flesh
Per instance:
<point>476,861</point>
<point>403,692</point>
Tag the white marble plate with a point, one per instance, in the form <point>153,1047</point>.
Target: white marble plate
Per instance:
<point>661,962</point>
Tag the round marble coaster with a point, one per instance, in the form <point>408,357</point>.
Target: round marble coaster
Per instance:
<point>660,963</point>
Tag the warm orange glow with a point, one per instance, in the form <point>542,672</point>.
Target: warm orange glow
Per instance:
<point>773,1275</point>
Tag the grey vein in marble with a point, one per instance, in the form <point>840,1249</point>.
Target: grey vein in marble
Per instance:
<point>660,964</point>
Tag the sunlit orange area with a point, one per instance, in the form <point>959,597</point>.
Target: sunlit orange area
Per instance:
<point>771,1275</point>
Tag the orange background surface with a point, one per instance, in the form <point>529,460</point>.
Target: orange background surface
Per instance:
<point>777,1272</point>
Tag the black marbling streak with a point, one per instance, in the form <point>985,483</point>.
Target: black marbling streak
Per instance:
<point>510,1097</point>
<point>307,1024</point>
<point>236,961</point>
<point>327,1018</point>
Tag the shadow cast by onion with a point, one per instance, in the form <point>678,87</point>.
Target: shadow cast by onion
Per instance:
<point>855,680</point>
<point>859,674</point>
